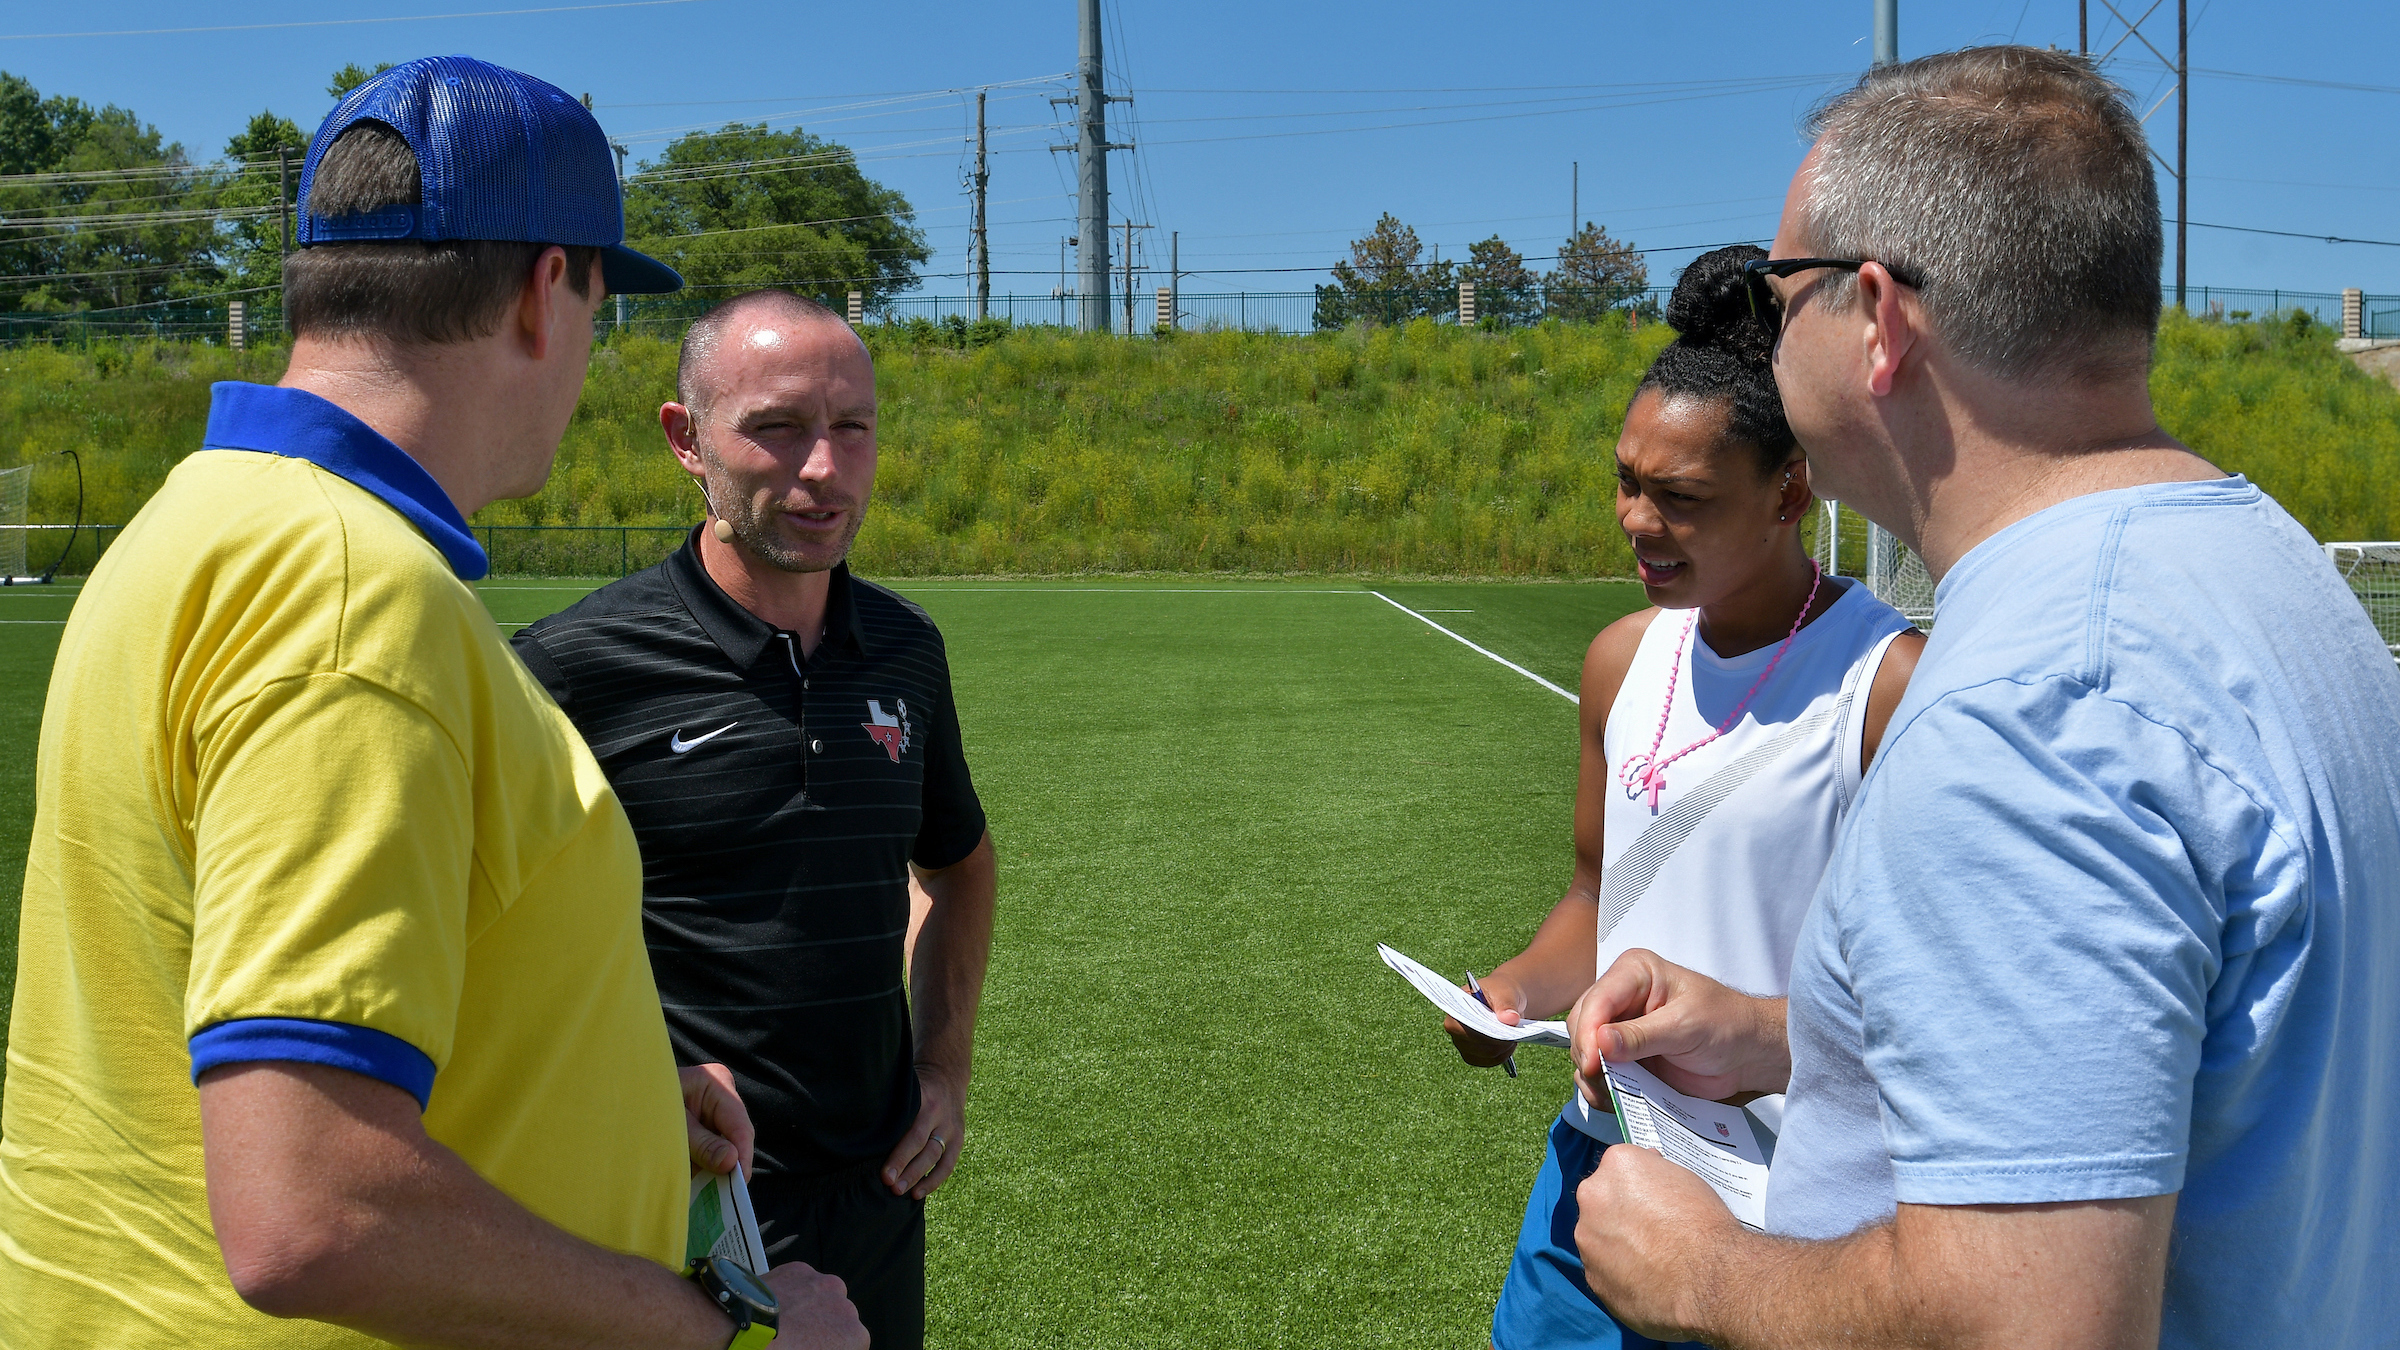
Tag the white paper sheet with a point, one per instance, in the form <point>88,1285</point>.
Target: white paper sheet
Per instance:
<point>1462,1005</point>
<point>722,1224</point>
<point>1709,1138</point>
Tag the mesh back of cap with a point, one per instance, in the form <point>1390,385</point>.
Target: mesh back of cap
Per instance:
<point>502,155</point>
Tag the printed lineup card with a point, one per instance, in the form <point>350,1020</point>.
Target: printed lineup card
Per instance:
<point>1709,1138</point>
<point>721,1224</point>
<point>1462,1005</point>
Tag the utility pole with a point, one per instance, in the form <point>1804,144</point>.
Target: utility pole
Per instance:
<point>1887,53</point>
<point>1175,275</point>
<point>983,240</point>
<point>283,197</point>
<point>2083,27</point>
<point>1574,197</point>
<point>2183,126</point>
<point>1091,168</point>
<point>1129,227</point>
<point>624,301</point>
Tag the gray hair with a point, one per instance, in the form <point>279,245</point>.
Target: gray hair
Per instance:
<point>707,333</point>
<point>2013,185</point>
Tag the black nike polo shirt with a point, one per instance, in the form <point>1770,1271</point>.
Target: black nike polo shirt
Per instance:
<point>779,801</point>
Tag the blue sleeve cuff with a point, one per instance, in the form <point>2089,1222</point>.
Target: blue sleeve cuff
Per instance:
<point>362,1050</point>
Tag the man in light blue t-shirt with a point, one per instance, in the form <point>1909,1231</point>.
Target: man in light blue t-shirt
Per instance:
<point>2094,1031</point>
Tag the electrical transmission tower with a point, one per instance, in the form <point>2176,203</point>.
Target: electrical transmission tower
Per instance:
<point>1091,169</point>
<point>2182,66</point>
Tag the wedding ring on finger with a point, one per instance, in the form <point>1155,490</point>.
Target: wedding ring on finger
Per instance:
<point>940,1145</point>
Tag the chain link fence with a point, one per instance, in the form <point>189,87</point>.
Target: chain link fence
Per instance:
<point>1283,311</point>
<point>577,550</point>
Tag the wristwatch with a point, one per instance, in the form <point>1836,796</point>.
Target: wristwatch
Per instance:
<point>744,1298</point>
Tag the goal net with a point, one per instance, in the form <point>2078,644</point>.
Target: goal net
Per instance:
<point>1847,545</point>
<point>2373,571</point>
<point>15,485</point>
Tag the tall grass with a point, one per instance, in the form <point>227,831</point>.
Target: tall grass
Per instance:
<point>1418,449</point>
<point>2277,402</point>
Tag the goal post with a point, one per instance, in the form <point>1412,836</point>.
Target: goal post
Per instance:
<point>2373,570</point>
<point>17,527</point>
<point>15,497</point>
<point>1847,545</point>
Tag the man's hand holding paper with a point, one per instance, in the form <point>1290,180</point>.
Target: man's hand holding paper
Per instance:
<point>1700,1037</point>
<point>1651,1231</point>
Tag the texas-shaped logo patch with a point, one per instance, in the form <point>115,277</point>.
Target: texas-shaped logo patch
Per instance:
<point>888,730</point>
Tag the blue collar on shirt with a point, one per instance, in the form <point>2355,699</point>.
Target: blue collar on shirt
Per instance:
<point>299,425</point>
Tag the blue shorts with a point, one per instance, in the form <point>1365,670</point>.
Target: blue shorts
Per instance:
<point>1545,1302</point>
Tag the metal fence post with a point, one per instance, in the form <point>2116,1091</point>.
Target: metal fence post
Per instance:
<point>624,563</point>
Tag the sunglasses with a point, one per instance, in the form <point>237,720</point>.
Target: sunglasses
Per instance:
<point>1767,307</point>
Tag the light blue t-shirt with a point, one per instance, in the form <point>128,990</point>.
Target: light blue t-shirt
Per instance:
<point>2118,914</point>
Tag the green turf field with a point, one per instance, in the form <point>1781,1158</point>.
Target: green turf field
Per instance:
<point>1204,1114</point>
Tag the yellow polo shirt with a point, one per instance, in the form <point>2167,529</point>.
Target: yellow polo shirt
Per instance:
<point>297,799</point>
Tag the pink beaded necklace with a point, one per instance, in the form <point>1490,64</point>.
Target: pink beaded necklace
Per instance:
<point>1648,773</point>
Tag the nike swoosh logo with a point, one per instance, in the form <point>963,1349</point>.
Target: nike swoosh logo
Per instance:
<point>679,745</point>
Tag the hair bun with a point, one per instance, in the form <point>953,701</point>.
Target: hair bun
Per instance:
<point>1711,303</point>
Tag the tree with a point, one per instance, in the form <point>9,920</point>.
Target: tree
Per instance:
<point>1382,282</point>
<point>1505,288</point>
<point>120,218</point>
<point>251,237</point>
<point>351,76</point>
<point>1595,274</point>
<point>746,207</point>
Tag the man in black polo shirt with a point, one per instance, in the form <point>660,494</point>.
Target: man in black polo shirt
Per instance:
<point>784,740</point>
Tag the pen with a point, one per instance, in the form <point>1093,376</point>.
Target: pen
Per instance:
<point>1509,1063</point>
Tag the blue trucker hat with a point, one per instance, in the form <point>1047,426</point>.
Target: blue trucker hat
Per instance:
<point>502,155</point>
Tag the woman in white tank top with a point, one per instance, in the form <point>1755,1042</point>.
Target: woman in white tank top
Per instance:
<point>1724,735</point>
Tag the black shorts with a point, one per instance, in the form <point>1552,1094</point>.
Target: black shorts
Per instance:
<point>851,1225</point>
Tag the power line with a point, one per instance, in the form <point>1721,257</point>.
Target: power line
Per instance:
<point>340,23</point>
<point>1523,88</point>
<point>894,94</point>
<point>2296,234</point>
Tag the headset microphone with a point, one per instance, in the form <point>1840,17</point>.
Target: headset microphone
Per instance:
<point>720,526</point>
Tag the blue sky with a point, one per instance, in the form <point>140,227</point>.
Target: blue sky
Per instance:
<point>1271,134</point>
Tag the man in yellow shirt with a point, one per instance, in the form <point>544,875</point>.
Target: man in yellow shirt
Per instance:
<point>332,1001</point>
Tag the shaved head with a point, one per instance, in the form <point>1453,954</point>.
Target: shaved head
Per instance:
<point>745,315</point>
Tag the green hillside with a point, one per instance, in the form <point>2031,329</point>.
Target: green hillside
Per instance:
<point>1422,449</point>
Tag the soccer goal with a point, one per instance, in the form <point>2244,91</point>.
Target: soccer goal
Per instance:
<point>2373,571</point>
<point>16,486</point>
<point>1848,545</point>
<point>17,529</point>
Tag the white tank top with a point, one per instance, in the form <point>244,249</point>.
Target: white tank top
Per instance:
<point>1718,878</point>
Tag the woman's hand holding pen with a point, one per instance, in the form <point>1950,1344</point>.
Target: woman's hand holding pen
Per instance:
<point>1506,998</point>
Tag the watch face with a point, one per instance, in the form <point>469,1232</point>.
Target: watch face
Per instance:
<point>748,1288</point>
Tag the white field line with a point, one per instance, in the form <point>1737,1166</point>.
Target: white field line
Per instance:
<point>1567,694</point>
<point>1116,590</point>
